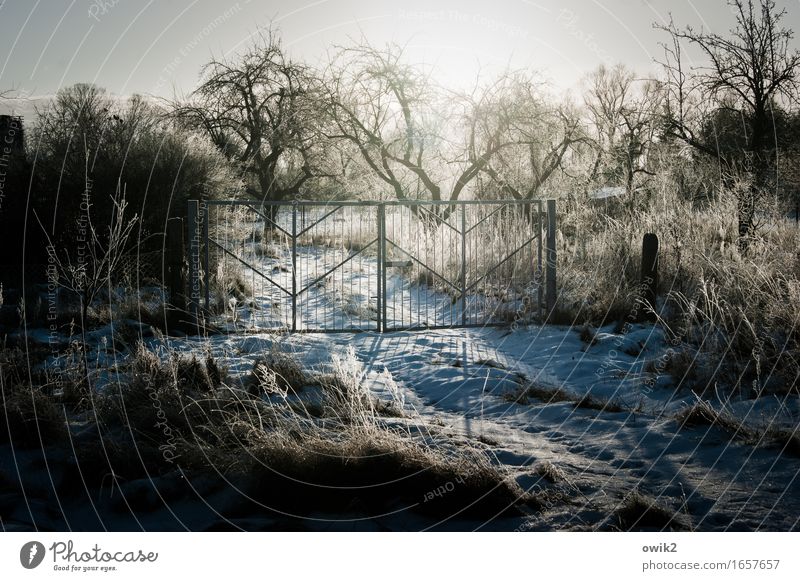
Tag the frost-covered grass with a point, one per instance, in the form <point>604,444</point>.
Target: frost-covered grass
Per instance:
<point>296,440</point>
<point>29,417</point>
<point>426,424</point>
<point>641,512</point>
<point>731,314</point>
<point>705,414</point>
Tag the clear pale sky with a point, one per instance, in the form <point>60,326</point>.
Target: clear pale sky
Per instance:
<point>157,47</point>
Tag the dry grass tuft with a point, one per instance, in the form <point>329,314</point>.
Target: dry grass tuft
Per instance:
<point>286,457</point>
<point>30,419</point>
<point>786,440</point>
<point>277,372</point>
<point>546,394</point>
<point>639,512</point>
<point>703,414</point>
<point>551,472</point>
<point>549,395</point>
<point>376,466</point>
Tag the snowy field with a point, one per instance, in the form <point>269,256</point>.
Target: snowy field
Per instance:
<point>465,383</point>
<point>590,418</point>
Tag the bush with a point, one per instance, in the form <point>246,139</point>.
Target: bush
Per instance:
<point>130,143</point>
<point>28,417</point>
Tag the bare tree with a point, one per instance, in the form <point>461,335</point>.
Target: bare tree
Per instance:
<point>538,135</point>
<point>260,110</point>
<point>624,116</point>
<point>417,138</point>
<point>747,72</point>
<point>69,139</point>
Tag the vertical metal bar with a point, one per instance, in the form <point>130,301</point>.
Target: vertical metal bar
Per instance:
<point>204,210</point>
<point>384,290</point>
<point>463,264</point>
<point>194,257</point>
<point>381,218</point>
<point>294,267</point>
<point>551,256</point>
<point>539,272</point>
<point>337,240</point>
<point>428,247</point>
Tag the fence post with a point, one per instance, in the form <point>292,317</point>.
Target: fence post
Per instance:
<point>551,257</point>
<point>539,262</point>
<point>193,232</point>
<point>649,278</point>
<point>463,265</point>
<point>384,294</point>
<point>204,217</point>
<point>294,266</point>
<point>381,217</point>
<point>173,262</point>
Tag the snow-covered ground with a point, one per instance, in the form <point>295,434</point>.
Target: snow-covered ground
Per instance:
<point>466,382</point>
<point>470,384</point>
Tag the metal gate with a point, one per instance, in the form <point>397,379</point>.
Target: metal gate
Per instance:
<point>370,266</point>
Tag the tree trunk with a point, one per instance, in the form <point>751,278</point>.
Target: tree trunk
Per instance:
<point>269,194</point>
<point>271,213</point>
<point>758,162</point>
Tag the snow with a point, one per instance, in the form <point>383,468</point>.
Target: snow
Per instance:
<point>607,192</point>
<point>459,380</point>
<point>466,383</point>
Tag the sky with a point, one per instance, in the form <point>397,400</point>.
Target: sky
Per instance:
<point>155,47</point>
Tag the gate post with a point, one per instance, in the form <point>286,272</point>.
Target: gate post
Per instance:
<point>381,265</point>
<point>173,262</point>
<point>294,266</point>
<point>539,262</point>
<point>551,257</point>
<point>204,218</point>
<point>464,264</point>
<point>384,288</point>
<point>193,232</point>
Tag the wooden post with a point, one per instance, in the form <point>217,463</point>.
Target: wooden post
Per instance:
<point>382,273</point>
<point>550,249</point>
<point>649,277</point>
<point>539,260</point>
